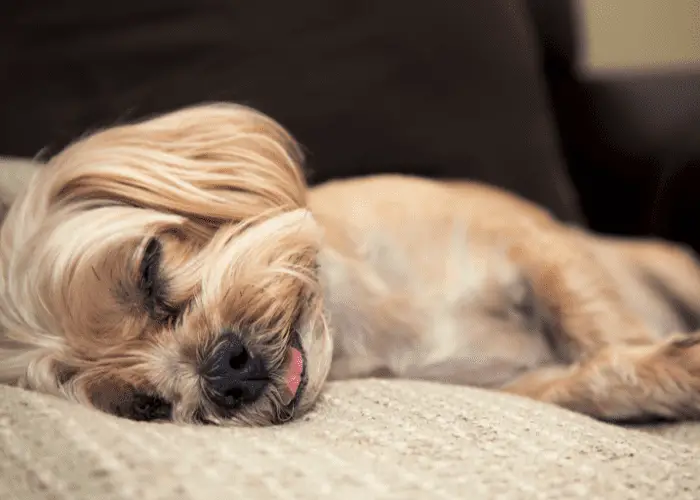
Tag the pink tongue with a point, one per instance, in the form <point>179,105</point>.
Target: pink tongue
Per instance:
<point>296,366</point>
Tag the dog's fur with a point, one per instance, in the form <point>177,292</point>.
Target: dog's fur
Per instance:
<point>382,276</point>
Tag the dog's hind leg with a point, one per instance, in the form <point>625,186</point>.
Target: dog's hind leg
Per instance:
<point>667,293</point>
<point>624,382</point>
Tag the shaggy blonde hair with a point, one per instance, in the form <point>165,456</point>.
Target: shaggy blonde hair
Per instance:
<point>222,190</point>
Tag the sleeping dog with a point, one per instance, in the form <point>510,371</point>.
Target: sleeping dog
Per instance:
<point>180,268</point>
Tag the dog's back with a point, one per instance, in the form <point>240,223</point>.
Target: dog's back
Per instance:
<point>659,280</point>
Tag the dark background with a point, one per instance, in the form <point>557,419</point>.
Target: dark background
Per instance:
<point>468,89</point>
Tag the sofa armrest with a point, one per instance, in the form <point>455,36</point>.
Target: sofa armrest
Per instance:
<point>624,79</point>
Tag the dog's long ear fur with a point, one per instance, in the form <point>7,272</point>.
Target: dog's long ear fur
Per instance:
<point>15,176</point>
<point>218,163</point>
<point>208,165</point>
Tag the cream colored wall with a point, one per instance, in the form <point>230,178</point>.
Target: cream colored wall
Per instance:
<point>622,35</point>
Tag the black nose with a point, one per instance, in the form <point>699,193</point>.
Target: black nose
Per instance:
<point>235,376</point>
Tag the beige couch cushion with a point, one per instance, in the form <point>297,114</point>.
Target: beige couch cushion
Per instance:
<point>367,439</point>
<point>14,175</point>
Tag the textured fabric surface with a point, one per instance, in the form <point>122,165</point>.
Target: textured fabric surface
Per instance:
<point>366,439</point>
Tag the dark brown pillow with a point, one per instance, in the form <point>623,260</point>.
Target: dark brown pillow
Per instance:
<point>442,88</point>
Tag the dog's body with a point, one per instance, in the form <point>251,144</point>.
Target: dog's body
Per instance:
<point>441,281</point>
<point>197,227</point>
<point>423,280</point>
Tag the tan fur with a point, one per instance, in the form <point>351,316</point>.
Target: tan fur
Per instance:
<point>454,282</point>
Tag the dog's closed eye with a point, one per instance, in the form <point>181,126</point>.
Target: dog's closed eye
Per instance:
<point>149,271</point>
<point>152,284</point>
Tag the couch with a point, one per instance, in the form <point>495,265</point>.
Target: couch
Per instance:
<point>366,439</point>
<point>460,89</point>
<point>624,84</point>
<point>369,439</point>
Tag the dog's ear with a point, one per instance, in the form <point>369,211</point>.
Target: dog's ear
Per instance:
<point>29,365</point>
<point>215,164</point>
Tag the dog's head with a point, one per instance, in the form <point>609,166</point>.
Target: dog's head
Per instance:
<point>167,269</point>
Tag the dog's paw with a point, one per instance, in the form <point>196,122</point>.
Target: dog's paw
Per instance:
<point>683,351</point>
<point>680,367</point>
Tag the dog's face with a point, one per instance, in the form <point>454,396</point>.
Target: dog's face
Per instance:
<point>167,270</point>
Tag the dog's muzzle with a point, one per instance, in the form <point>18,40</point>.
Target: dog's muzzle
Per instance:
<point>235,376</point>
